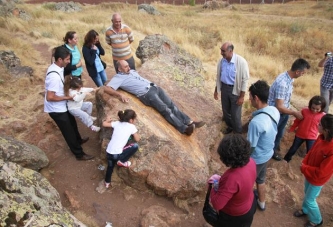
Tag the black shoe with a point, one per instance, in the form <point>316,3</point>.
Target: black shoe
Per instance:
<point>85,157</point>
<point>227,131</point>
<point>310,224</point>
<point>276,157</point>
<point>189,130</point>
<point>197,124</point>
<point>85,139</point>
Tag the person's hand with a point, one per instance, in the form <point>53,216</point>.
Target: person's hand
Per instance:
<point>298,115</point>
<point>212,178</point>
<point>124,98</point>
<point>79,64</point>
<point>240,100</point>
<point>216,97</point>
<point>94,47</point>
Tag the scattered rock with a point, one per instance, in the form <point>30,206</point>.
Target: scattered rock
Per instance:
<point>74,203</point>
<point>148,9</point>
<point>68,7</point>
<point>216,5</point>
<point>160,216</point>
<point>13,64</point>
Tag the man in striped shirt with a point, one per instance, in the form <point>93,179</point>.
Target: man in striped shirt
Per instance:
<point>119,36</point>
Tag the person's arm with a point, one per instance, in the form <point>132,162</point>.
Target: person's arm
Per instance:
<point>136,137</point>
<point>107,122</point>
<point>101,49</point>
<point>89,55</point>
<point>279,104</point>
<point>51,96</point>
<point>78,96</point>
<point>216,95</point>
<point>111,91</point>
<point>240,99</point>
<point>322,61</point>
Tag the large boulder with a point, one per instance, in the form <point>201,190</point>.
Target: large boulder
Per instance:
<point>28,199</point>
<point>26,155</point>
<point>13,64</point>
<point>169,163</point>
<point>148,9</point>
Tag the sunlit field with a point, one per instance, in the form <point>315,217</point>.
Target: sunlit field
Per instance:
<point>269,36</point>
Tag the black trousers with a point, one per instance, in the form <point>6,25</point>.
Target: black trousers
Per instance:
<point>68,127</point>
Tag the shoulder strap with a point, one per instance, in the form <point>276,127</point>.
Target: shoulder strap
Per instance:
<point>56,73</point>
<point>208,193</point>
<point>269,116</point>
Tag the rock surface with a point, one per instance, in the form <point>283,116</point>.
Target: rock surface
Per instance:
<point>26,155</point>
<point>13,64</point>
<point>25,195</point>
<point>148,9</point>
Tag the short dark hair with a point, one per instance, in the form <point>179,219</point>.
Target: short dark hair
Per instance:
<point>61,52</point>
<point>234,150</point>
<point>126,115</point>
<point>327,125</point>
<point>300,64</point>
<point>260,89</point>
<point>318,100</point>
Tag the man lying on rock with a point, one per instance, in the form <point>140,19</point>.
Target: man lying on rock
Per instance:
<point>150,95</point>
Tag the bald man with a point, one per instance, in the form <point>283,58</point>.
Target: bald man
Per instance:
<point>150,95</point>
<point>231,80</point>
<point>119,36</point>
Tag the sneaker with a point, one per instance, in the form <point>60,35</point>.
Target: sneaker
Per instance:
<point>95,128</point>
<point>107,185</point>
<point>197,124</point>
<point>93,118</point>
<point>261,208</point>
<point>276,157</point>
<point>124,164</point>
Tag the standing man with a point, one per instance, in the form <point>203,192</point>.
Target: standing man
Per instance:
<point>150,95</point>
<point>261,134</point>
<point>55,103</point>
<point>326,82</point>
<point>119,36</point>
<point>279,96</point>
<point>231,80</point>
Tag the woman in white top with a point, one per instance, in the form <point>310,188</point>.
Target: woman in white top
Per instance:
<point>77,107</point>
<point>123,142</point>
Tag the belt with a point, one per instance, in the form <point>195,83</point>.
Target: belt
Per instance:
<point>148,88</point>
<point>229,85</point>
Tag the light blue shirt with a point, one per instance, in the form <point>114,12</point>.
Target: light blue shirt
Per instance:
<point>228,71</point>
<point>76,57</point>
<point>98,63</point>
<point>262,132</point>
<point>282,88</point>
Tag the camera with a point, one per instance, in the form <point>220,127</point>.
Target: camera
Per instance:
<point>328,54</point>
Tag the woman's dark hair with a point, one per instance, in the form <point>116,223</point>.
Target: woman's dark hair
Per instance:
<point>69,35</point>
<point>126,115</point>
<point>318,100</point>
<point>72,82</point>
<point>234,150</point>
<point>90,38</point>
<point>327,125</point>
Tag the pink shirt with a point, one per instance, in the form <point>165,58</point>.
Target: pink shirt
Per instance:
<point>308,127</point>
<point>235,193</point>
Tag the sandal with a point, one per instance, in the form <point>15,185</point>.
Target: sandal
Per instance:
<point>311,224</point>
<point>299,213</point>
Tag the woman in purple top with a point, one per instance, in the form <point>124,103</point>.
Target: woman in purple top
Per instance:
<point>234,198</point>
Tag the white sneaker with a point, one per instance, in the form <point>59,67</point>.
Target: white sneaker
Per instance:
<point>95,128</point>
<point>93,118</point>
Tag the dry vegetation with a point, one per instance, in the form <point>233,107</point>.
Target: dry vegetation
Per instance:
<point>270,37</point>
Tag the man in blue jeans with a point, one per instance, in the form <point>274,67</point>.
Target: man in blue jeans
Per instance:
<point>326,82</point>
<point>150,95</point>
<point>279,96</point>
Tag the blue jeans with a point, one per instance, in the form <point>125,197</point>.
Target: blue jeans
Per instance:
<point>100,78</point>
<point>296,144</point>
<point>281,128</point>
<point>161,102</point>
<point>328,96</point>
<point>310,205</point>
<point>123,157</point>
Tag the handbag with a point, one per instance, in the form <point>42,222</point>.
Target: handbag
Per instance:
<point>104,64</point>
<point>210,215</point>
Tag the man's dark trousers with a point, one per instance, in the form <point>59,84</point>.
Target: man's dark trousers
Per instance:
<point>68,127</point>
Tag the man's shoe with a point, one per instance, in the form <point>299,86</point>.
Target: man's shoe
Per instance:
<point>198,124</point>
<point>311,224</point>
<point>85,157</point>
<point>189,130</point>
<point>226,131</point>
<point>85,139</point>
<point>276,157</point>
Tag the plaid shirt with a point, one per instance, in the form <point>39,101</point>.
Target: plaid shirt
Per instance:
<point>282,88</point>
<point>327,79</point>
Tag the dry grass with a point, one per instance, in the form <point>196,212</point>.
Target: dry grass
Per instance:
<point>270,37</point>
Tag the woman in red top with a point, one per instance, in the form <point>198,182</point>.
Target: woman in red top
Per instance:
<point>317,168</point>
<point>307,129</point>
<point>234,197</point>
